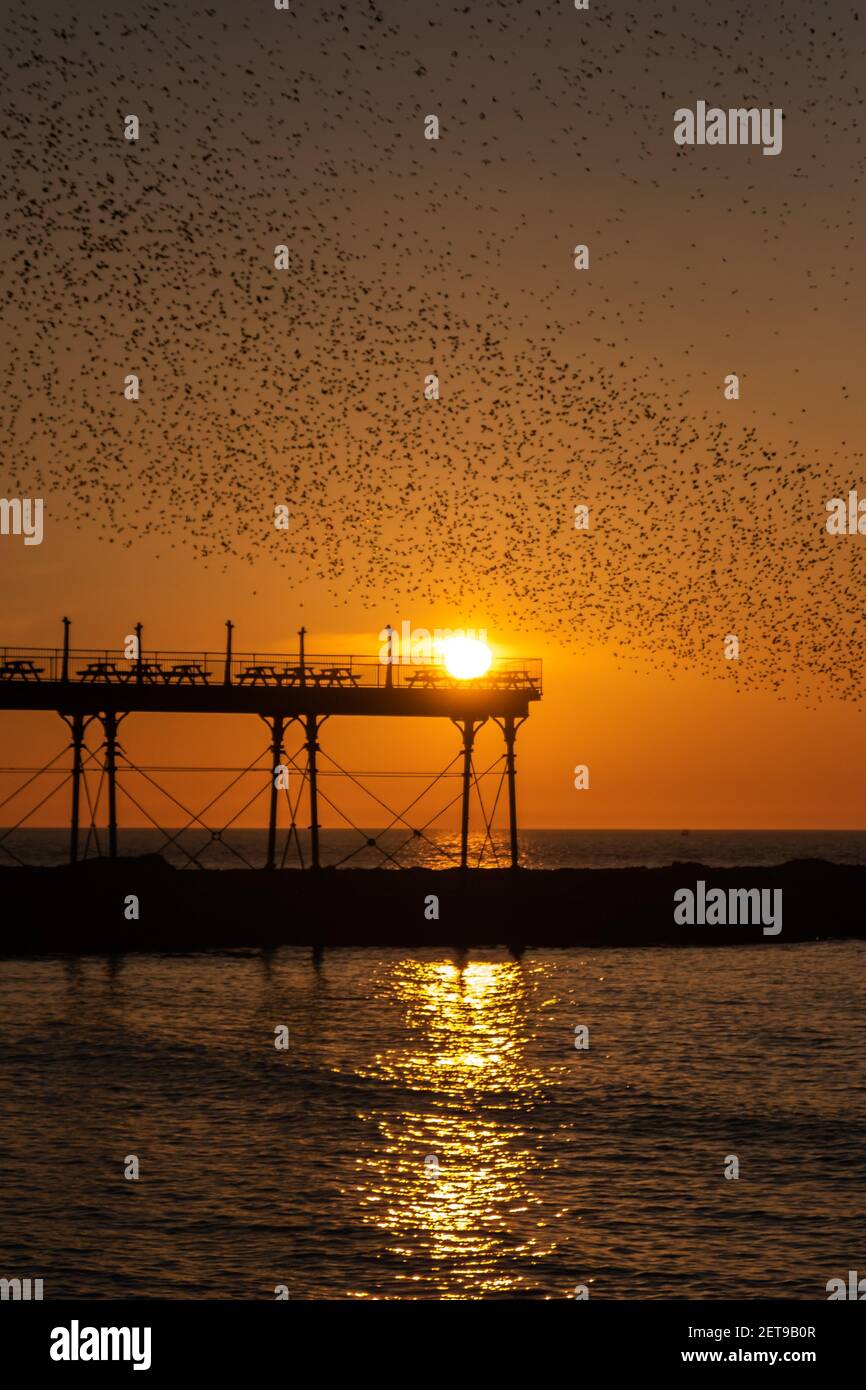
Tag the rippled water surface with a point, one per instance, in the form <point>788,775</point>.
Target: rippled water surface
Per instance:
<point>432,1130</point>
<point>440,849</point>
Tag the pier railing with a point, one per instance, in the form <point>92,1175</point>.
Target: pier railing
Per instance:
<point>272,669</point>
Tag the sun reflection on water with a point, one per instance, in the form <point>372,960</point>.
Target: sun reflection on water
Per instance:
<point>448,1181</point>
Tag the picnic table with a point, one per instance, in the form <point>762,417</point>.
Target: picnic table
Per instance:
<point>190,671</point>
<point>17,670</point>
<point>334,675</point>
<point>436,678</point>
<point>511,680</point>
<point>430,679</point>
<point>150,671</point>
<point>104,671</point>
<point>265,674</point>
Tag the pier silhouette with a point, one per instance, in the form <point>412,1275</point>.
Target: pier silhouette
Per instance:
<point>84,685</point>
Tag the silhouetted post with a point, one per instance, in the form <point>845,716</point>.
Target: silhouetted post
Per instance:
<point>303,674</point>
<point>139,675</point>
<point>64,670</point>
<point>227,678</point>
<point>276,756</point>
<point>109,720</point>
<point>77,745</point>
<point>468,738</point>
<point>389,669</point>
<point>312,727</point>
<point>510,735</point>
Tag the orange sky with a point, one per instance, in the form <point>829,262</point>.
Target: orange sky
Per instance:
<point>558,387</point>
<point>663,753</point>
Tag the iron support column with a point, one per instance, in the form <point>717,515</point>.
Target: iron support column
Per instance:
<point>276,756</point>
<point>312,727</point>
<point>109,720</point>
<point>468,739</point>
<point>77,745</point>
<point>510,735</point>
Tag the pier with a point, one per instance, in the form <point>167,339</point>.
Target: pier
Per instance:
<point>88,687</point>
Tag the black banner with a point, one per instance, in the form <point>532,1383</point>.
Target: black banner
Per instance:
<point>161,1339</point>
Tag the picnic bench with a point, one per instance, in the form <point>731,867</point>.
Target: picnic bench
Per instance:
<point>190,671</point>
<point>104,671</point>
<point>153,672</point>
<point>17,670</point>
<point>437,678</point>
<point>334,675</point>
<point>430,678</point>
<point>150,671</point>
<point>264,674</point>
<point>511,680</point>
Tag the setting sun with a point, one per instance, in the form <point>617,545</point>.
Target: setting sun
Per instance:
<point>466,658</point>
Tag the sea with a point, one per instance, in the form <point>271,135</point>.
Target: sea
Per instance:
<point>440,849</point>
<point>353,1124</point>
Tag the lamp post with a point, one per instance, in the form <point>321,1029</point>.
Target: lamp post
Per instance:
<point>389,669</point>
<point>227,678</point>
<point>302,632</point>
<point>64,671</point>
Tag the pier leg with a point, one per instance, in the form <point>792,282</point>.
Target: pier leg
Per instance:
<point>77,746</point>
<point>312,727</point>
<point>109,721</point>
<point>276,756</point>
<point>468,740</point>
<point>510,734</point>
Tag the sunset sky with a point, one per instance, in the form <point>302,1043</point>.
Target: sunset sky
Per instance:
<point>558,387</point>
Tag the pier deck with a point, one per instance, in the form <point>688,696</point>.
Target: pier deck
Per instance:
<point>88,682</point>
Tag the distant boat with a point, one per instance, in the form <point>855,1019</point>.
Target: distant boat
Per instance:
<point>685,832</point>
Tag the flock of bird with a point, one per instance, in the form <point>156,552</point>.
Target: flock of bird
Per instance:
<point>410,257</point>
